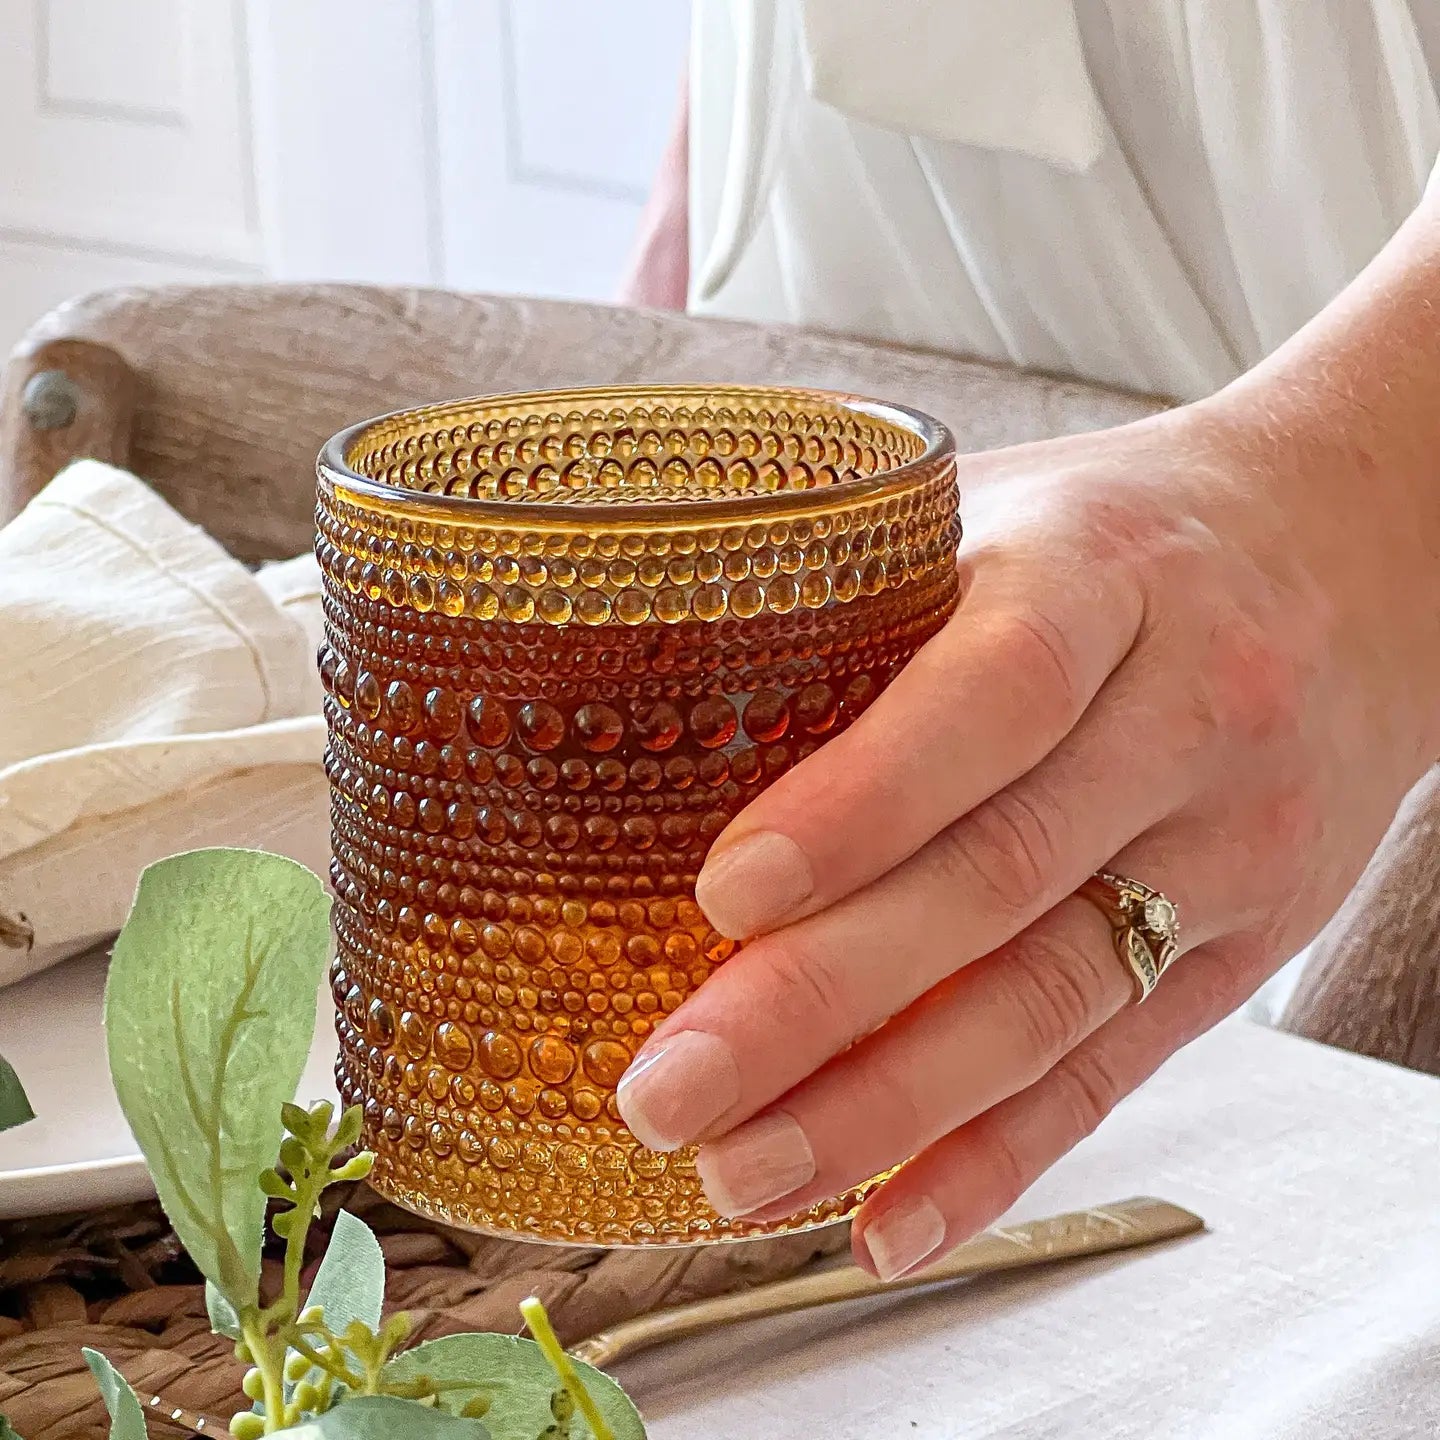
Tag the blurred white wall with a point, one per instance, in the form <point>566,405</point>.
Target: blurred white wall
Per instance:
<point>477,144</point>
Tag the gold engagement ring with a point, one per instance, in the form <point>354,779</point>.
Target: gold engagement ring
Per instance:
<point>1146,925</point>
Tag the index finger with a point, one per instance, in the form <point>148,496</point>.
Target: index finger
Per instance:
<point>984,701</point>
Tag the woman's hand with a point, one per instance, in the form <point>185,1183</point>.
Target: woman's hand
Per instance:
<point>1197,651</point>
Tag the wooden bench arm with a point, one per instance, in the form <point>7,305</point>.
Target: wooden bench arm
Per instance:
<point>62,400</point>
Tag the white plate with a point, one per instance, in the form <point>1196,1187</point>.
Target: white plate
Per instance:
<point>78,1153</point>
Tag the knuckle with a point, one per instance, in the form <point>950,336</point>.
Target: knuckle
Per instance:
<point>1009,1174</point>
<point>1291,820</point>
<point>1058,989</point>
<point>900,1108</point>
<point>1119,525</point>
<point>804,986</point>
<point>1042,656</point>
<point>1277,828</point>
<point>1088,1090</point>
<point>1006,851</point>
<point>1251,683</point>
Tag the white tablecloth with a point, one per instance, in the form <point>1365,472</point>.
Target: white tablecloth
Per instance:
<point>1311,1310</point>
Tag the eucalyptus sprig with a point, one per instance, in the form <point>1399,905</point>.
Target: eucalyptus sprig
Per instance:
<point>14,1110</point>
<point>209,1012</point>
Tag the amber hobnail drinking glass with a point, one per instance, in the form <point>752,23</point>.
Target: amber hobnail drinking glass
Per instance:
<point>569,636</point>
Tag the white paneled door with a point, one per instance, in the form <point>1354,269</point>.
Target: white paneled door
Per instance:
<point>127,154</point>
<point>553,115</point>
<point>481,144</point>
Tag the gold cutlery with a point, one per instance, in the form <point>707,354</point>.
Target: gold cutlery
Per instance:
<point>1125,1225</point>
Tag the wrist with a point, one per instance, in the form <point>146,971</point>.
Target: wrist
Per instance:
<point>1348,508</point>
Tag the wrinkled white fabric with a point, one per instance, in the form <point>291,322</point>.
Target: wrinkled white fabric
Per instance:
<point>1308,1312</point>
<point>896,70</point>
<point>155,692</point>
<point>1253,155</point>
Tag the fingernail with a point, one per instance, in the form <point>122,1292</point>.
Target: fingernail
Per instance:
<point>756,1165</point>
<point>676,1090</point>
<point>903,1236</point>
<point>753,884</point>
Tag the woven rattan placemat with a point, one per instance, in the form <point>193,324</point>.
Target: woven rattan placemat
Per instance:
<point>118,1281</point>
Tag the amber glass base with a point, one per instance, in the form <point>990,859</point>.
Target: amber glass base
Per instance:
<point>672,1203</point>
<point>569,637</point>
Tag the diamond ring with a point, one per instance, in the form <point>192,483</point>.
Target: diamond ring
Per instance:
<point>1146,925</point>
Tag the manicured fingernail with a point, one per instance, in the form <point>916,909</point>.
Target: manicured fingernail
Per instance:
<point>756,1165</point>
<point>754,884</point>
<point>903,1236</point>
<point>678,1088</point>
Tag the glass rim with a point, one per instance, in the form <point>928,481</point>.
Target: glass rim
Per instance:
<point>585,515</point>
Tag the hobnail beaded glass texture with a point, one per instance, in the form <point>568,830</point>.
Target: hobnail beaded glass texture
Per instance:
<point>569,636</point>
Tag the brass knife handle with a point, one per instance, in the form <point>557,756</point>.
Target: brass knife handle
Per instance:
<point>1125,1225</point>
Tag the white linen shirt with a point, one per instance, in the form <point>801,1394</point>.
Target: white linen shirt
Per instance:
<point>1147,193</point>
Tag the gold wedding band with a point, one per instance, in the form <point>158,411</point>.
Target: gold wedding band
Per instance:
<point>1146,925</point>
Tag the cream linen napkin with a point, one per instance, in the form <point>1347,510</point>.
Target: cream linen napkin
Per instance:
<point>155,696</point>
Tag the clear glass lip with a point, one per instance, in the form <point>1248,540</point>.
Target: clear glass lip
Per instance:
<point>939,447</point>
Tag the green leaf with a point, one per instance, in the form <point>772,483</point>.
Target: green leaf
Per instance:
<point>14,1108</point>
<point>516,1376</point>
<point>223,1319</point>
<point>350,1283</point>
<point>347,1132</point>
<point>7,1430</point>
<point>209,1015</point>
<point>296,1119</point>
<point>127,1419</point>
<point>382,1417</point>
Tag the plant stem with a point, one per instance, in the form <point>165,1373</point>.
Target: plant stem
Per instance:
<point>272,1374</point>
<point>333,1368</point>
<point>545,1338</point>
<point>307,1197</point>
